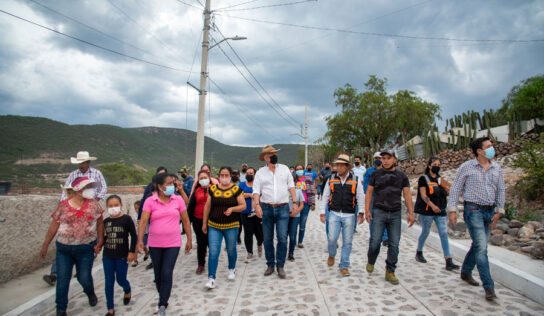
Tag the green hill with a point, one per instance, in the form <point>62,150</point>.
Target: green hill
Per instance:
<point>35,149</point>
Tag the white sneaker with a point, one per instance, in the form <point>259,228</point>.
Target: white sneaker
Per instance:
<point>211,283</point>
<point>232,274</point>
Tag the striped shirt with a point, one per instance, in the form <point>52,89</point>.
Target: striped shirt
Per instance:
<point>100,187</point>
<point>477,185</point>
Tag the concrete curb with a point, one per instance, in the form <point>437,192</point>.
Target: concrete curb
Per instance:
<point>46,301</point>
<point>509,276</point>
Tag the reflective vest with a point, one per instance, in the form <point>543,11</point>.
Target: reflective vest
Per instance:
<point>343,197</point>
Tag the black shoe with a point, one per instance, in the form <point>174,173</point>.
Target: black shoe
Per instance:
<point>149,266</point>
<point>385,243</point>
<point>281,273</point>
<point>92,299</point>
<point>61,314</point>
<point>126,300</point>
<point>490,294</point>
<point>50,279</point>
<point>419,257</point>
<point>290,257</point>
<point>110,314</point>
<point>469,279</point>
<point>269,271</point>
<point>450,265</point>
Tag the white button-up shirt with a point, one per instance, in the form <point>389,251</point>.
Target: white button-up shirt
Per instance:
<point>273,187</point>
<point>359,195</point>
<point>100,187</point>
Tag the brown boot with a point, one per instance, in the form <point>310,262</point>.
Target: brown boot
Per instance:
<point>469,279</point>
<point>269,271</point>
<point>281,273</point>
<point>345,272</point>
<point>330,261</point>
<point>490,294</point>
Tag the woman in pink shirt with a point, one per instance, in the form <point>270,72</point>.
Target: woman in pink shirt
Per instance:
<point>164,210</point>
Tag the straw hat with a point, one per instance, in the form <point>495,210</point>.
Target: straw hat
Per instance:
<point>268,149</point>
<point>343,158</point>
<point>81,156</point>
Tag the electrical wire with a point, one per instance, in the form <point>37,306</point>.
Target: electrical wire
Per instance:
<point>296,123</point>
<point>239,4</point>
<point>92,44</point>
<point>188,4</point>
<point>269,6</point>
<point>253,86</point>
<point>319,28</point>
<point>200,3</point>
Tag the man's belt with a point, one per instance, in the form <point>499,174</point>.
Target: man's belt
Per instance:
<point>483,207</point>
<point>274,205</point>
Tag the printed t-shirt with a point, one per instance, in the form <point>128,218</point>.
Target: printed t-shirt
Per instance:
<point>77,225</point>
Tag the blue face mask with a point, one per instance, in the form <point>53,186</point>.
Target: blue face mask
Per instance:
<point>170,189</point>
<point>299,173</point>
<point>490,153</point>
<point>378,163</point>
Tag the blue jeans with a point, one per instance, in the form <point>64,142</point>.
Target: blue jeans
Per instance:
<point>54,267</point>
<point>345,224</point>
<point>441,224</point>
<point>384,237</point>
<point>478,221</point>
<point>392,221</point>
<point>164,261</point>
<point>293,228</point>
<point>82,256</point>
<point>327,215</point>
<point>303,218</point>
<point>215,237</point>
<point>278,217</point>
<point>115,269</point>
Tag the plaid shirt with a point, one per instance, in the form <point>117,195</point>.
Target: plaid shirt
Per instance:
<point>100,187</point>
<point>479,186</point>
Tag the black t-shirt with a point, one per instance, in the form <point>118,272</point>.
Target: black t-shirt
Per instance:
<point>439,198</point>
<point>116,240</point>
<point>388,187</point>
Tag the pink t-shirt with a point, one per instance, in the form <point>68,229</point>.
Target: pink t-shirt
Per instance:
<point>164,225</point>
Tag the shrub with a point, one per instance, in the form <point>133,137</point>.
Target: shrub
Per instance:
<point>531,160</point>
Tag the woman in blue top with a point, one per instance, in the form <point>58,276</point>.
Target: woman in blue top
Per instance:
<point>252,224</point>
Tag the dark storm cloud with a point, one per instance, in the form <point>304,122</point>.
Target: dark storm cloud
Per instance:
<point>44,74</point>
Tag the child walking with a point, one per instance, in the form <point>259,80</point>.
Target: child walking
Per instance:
<point>117,252</point>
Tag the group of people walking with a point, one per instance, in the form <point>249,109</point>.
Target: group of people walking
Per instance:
<point>271,204</point>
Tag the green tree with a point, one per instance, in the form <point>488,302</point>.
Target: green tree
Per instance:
<point>370,119</point>
<point>526,100</point>
<point>119,174</point>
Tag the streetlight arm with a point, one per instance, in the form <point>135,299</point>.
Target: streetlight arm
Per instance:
<point>235,38</point>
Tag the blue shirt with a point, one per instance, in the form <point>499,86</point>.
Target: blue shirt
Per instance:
<point>310,175</point>
<point>246,189</point>
<point>188,185</point>
<point>367,175</point>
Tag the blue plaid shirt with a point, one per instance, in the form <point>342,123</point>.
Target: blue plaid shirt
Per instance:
<point>479,186</point>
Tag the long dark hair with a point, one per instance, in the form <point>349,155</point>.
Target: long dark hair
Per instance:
<point>431,160</point>
<point>295,176</point>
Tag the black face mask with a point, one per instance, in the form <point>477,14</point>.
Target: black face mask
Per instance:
<point>244,170</point>
<point>435,169</point>
<point>327,168</point>
<point>274,159</point>
<point>234,179</point>
<point>249,177</point>
<point>357,163</point>
<point>184,176</point>
<point>378,163</point>
<point>309,169</point>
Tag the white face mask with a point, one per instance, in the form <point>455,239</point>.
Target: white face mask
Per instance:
<point>114,211</point>
<point>88,193</point>
<point>224,180</point>
<point>204,182</point>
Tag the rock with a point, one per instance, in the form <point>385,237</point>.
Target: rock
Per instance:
<point>508,240</point>
<point>504,220</point>
<point>503,226</point>
<point>537,251</point>
<point>513,231</point>
<point>515,224</point>
<point>536,225</point>
<point>540,230</point>
<point>527,249</point>
<point>497,232</point>
<point>526,231</point>
<point>513,248</point>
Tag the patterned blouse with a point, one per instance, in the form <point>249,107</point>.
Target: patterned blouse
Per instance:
<point>77,225</point>
<point>221,201</point>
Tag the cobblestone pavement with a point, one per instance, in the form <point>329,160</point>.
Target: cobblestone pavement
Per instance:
<point>312,288</point>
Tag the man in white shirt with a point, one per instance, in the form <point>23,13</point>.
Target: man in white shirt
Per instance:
<point>342,193</point>
<point>83,161</point>
<point>271,188</point>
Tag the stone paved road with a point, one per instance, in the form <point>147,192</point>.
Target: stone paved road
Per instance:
<point>312,288</point>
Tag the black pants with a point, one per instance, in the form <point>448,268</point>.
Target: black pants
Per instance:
<point>252,226</point>
<point>164,260</point>
<point>201,241</point>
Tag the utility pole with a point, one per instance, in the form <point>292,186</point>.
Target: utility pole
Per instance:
<point>306,138</point>
<point>199,157</point>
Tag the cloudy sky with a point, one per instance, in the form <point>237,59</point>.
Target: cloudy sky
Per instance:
<point>299,51</point>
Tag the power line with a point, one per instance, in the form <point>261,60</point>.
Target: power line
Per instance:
<point>387,34</point>
<point>236,5</point>
<point>92,44</point>
<point>254,88</point>
<point>269,6</point>
<point>202,5</point>
<point>259,83</point>
<point>190,5</point>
